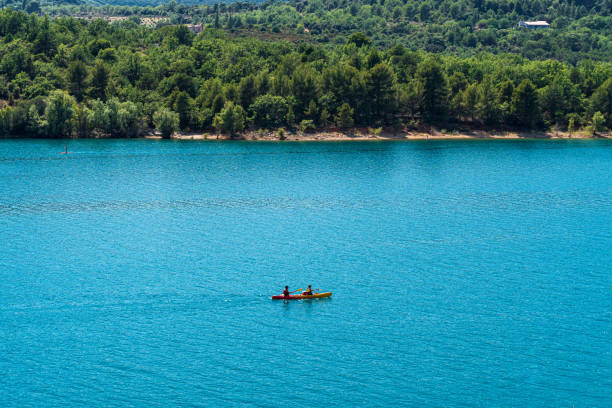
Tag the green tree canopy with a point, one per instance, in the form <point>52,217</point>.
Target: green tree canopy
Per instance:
<point>59,114</point>
<point>434,92</point>
<point>231,119</point>
<point>524,105</point>
<point>166,121</point>
<point>269,111</point>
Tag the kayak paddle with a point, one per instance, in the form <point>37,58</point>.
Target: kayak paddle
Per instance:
<point>297,290</point>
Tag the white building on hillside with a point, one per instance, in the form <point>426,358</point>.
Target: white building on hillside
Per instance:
<point>534,24</point>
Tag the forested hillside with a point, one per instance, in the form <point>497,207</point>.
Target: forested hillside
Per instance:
<point>67,76</point>
<point>579,29</point>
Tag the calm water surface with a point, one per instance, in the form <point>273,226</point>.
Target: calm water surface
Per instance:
<point>138,273</point>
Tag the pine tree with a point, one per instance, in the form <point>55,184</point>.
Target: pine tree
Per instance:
<point>183,106</point>
<point>247,91</point>
<point>524,105</point>
<point>487,106</point>
<point>469,100</point>
<point>77,76</point>
<point>99,81</point>
<point>231,119</point>
<point>434,98</point>
<point>45,40</point>
<point>380,81</point>
<point>344,118</point>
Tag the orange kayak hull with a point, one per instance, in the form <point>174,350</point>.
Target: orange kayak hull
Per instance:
<point>300,297</point>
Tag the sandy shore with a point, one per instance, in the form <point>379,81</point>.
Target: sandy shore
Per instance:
<point>361,135</point>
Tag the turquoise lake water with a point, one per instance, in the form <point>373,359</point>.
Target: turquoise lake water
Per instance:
<point>465,273</point>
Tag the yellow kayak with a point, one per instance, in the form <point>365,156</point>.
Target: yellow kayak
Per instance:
<point>298,297</point>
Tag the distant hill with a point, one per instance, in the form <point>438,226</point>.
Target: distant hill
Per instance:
<point>19,4</point>
<point>578,29</point>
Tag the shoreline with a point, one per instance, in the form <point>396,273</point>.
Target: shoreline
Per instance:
<point>365,135</point>
<point>357,135</point>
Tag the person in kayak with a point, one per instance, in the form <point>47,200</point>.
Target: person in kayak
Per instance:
<point>308,291</point>
<point>286,291</point>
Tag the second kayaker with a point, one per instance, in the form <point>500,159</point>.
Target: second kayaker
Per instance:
<point>308,291</point>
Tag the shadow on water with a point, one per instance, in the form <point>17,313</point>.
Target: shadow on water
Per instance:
<point>307,302</point>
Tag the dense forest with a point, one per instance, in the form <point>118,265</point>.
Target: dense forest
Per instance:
<point>579,28</point>
<point>71,77</point>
